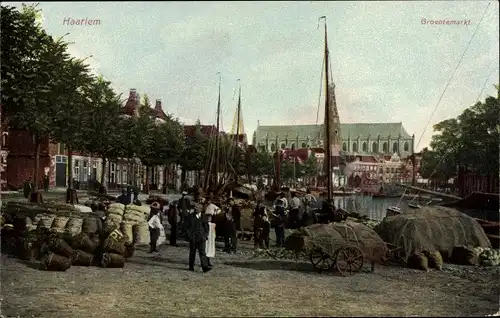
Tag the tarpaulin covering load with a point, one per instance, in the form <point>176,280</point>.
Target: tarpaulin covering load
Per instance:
<point>331,237</point>
<point>431,228</point>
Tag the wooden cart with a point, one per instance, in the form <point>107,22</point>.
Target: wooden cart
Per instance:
<point>347,260</point>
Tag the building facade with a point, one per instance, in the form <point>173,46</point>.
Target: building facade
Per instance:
<point>356,138</point>
<point>17,154</point>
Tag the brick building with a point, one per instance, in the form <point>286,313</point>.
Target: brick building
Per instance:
<point>18,152</point>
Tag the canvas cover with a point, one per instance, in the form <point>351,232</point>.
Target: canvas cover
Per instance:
<point>430,229</point>
<point>331,237</point>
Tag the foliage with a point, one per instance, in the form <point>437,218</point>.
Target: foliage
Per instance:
<point>168,141</point>
<point>144,135</point>
<point>310,166</point>
<point>195,154</point>
<point>71,104</point>
<point>33,75</point>
<point>262,164</point>
<point>470,141</point>
<point>30,71</point>
<point>103,134</point>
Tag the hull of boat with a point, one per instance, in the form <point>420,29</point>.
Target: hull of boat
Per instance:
<point>492,230</point>
<point>385,196</point>
<point>391,211</point>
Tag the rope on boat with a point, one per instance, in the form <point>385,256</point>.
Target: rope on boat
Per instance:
<point>453,74</point>
<point>441,97</point>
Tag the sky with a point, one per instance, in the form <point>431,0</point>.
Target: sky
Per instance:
<point>387,65</point>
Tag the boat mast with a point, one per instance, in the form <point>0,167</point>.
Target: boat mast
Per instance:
<point>328,149</point>
<point>278,165</point>
<point>216,168</point>
<point>238,117</point>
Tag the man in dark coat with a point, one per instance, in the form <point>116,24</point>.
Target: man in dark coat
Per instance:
<point>46,183</point>
<point>184,206</point>
<point>231,230</point>
<point>198,229</point>
<point>123,198</point>
<point>280,224</point>
<point>28,188</point>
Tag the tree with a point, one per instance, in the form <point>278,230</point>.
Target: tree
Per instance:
<point>144,130</point>
<point>102,134</point>
<point>168,143</point>
<point>31,75</point>
<point>469,141</point>
<point>70,106</point>
<point>195,154</point>
<point>310,166</point>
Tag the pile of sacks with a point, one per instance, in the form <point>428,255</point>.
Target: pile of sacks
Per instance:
<point>132,220</point>
<point>487,256</point>
<point>461,255</point>
<point>58,250</point>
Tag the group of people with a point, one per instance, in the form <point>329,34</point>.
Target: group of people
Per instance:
<point>197,221</point>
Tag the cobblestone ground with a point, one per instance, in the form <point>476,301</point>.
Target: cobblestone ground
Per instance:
<point>240,285</point>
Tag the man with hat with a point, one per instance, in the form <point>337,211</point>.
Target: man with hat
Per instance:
<point>183,207</point>
<point>155,226</point>
<point>197,234</point>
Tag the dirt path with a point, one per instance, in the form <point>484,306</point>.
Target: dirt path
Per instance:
<point>239,285</point>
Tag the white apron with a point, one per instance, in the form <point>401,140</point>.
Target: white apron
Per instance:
<point>210,245</point>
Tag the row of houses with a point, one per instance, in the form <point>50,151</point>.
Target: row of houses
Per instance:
<point>17,159</point>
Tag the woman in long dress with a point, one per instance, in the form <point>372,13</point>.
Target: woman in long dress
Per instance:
<point>210,211</point>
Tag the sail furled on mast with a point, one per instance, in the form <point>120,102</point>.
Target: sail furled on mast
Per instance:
<point>334,123</point>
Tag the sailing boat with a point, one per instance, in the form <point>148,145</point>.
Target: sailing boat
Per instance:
<point>329,116</point>
<point>211,182</point>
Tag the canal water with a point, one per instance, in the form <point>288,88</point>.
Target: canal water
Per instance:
<point>373,208</point>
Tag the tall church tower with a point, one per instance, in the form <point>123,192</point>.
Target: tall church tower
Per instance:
<point>335,137</point>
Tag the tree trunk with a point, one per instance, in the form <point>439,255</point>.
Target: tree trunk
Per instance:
<point>71,197</point>
<point>165,180</point>
<point>146,182</point>
<point>70,167</point>
<point>102,188</point>
<point>37,163</point>
<point>183,178</point>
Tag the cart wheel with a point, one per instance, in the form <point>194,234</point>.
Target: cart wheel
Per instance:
<point>321,261</point>
<point>349,260</point>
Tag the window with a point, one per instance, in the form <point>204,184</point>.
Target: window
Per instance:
<point>374,147</point>
<point>355,146</point>
<point>406,146</point>
<point>292,146</point>
<point>387,170</point>
<point>304,145</point>
<point>283,146</point>
<point>385,147</point>
<point>273,147</point>
<point>4,140</point>
<point>124,179</point>
<point>77,163</point>
<point>395,147</point>
<point>344,147</point>
<point>58,159</point>
<point>85,163</point>
<point>365,147</point>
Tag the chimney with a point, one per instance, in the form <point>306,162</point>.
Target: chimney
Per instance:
<point>133,94</point>
<point>158,104</point>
